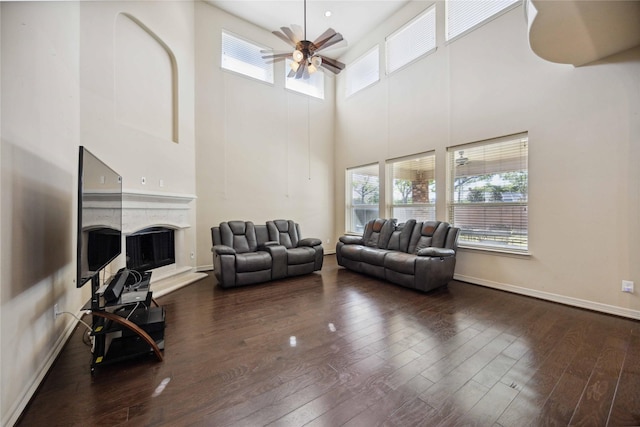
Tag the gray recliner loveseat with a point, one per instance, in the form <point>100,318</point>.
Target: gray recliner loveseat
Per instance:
<point>417,255</point>
<point>245,253</point>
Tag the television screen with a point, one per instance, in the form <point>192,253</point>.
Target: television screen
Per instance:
<point>99,216</point>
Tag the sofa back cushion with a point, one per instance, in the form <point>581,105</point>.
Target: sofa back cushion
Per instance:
<point>285,232</point>
<point>428,234</point>
<point>378,231</point>
<point>240,235</point>
<point>401,236</point>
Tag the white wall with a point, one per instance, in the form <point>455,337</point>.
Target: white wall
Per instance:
<point>254,157</point>
<point>583,126</point>
<point>60,90</point>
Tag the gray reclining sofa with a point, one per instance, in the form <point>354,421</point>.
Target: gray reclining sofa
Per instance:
<point>417,255</point>
<point>245,253</point>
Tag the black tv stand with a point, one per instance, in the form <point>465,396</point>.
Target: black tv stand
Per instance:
<point>128,327</point>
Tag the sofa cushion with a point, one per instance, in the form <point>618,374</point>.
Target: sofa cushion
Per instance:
<point>401,262</point>
<point>373,256</point>
<point>253,261</point>
<point>301,255</point>
<point>401,236</point>
<point>352,252</point>
<point>284,231</point>
<point>378,232</point>
<point>428,234</point>
<point>240,235</point>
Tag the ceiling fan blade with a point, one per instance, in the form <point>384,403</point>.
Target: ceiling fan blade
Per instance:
<point>336,38</point>
<point>301,69</point>
<point>291,35</point>
<point>331,68</point>
<point>291,74</point>
<point>276,55</point>
<point>273,52</point>
<point>281,36</point>
<point>330,32</point>
<point>333,62</point>
<point>298,31</point>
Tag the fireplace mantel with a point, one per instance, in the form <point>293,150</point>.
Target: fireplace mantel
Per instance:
<point>149,209</point>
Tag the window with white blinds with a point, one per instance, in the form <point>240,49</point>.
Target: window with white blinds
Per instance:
<point>364,71</point>
<point>244,57</point>
<point>363,197</point>
<point>466,15</point>
<point>313,86</point>
<point>412,184</point>
<point>488,193</point>
<point>412,41</point>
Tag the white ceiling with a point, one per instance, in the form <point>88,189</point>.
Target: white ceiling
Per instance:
<point>353,19</point>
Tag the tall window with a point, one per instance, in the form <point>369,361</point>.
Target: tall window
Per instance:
<point>410,42</point>
<point>488,193</point>
<point>244,57</point>
<point>363,196</point>
<point>364,71</point>
<point>313,86</point>
<point>466,15</point>
<point>412,187</point>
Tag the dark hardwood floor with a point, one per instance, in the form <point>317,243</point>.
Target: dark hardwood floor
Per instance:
<point>339,348</point>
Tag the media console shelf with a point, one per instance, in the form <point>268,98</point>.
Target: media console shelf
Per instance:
<point>126,327</point>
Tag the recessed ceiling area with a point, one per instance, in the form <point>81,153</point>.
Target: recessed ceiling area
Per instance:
<point>580,32</point>
<point>353,19</point>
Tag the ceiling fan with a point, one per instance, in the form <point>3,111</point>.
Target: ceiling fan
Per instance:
<point>461,161</point>
<point>305,59</point>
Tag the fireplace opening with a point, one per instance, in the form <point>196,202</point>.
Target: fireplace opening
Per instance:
<point>151,248</point>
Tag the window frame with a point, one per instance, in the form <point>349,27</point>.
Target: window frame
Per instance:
<point>349,91</point>
<point>431,12</point>
<point>505,9</point>
<point>268,68</point>
<point>350,207</point>
<point>390,185</point>
<point>488,238</point>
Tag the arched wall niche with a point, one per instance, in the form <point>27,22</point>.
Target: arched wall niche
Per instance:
<point>146,79</point>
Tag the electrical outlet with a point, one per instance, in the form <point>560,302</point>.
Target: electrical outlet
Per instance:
<point>55,311</point>
<point>143,180</point>
<point>161,183</point>
<point>193,255</point>
<point>627,286</point>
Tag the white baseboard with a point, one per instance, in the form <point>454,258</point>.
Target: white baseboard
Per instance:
<point>34,382</point>
<point>575,302</point>
<point>206,267</point>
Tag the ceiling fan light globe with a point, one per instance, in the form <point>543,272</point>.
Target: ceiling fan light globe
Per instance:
<point>298,56</point>
<point>312,68</point>
<point>294,65</point>
<point>316,61</point>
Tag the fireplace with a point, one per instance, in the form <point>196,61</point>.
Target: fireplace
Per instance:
<point>151,218</point>
<point>151,248</point>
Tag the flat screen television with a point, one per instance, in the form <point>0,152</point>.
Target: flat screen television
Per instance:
<point>99,217</point>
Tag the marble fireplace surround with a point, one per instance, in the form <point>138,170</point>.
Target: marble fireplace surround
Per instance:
<point>142,210</point>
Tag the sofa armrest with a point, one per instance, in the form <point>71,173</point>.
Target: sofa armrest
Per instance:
<point>223,250</point>
<point>309,241</point>
<point>436,252</point>
<point>278,260</point>
<point>352,240</point>
<point>269,244</point>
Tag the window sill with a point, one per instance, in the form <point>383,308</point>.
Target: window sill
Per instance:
<point>496,251</point>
